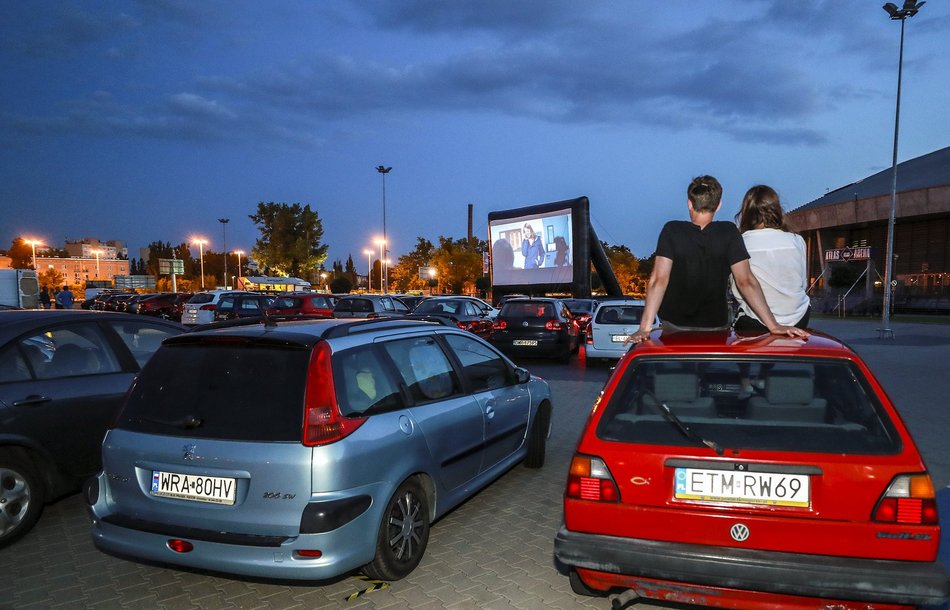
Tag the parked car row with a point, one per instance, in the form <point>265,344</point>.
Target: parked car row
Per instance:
<point>683,485</point>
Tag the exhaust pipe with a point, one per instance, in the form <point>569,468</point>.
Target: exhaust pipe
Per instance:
<point>622,600</point>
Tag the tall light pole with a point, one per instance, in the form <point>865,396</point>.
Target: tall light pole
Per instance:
<point>369,269</point>
<point>33,244</point>
<point>239,253</point>
<point>383,274</point>
<point>201,258</point>
<point>224,229</point>
<point>909,9</point>
<point>97,253</point>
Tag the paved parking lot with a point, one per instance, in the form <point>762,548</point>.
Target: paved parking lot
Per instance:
<point>495,551</point>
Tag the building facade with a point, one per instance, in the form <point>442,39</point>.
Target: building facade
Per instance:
<point>849,226</point>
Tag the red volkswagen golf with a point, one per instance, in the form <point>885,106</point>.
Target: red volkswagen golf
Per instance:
<point>750,472</point>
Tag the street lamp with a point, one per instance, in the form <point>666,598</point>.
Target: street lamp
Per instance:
<point>909,9</point>
<point>369,269</point>
<point>224,229</point>
<point>432,274</point>
<point>323,276</point>
<point>384,277</point>
<point>239,253</point>
<point>97,253</point>
<point>383,284</point>
<point>201,258</point>
<point>33,244</point>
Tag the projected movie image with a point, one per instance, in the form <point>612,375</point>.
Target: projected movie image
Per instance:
<point>532,249</point>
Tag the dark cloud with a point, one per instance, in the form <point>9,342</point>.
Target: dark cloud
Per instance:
<point>745,75</point>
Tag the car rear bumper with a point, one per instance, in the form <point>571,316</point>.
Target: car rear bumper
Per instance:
<point>616,353</point>
<point>883,581</point>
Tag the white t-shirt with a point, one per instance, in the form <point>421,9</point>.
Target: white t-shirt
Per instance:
<point>777,259</point>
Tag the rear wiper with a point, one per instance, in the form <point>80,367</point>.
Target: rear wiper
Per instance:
<point>683,428</point>
<point>188,422</point>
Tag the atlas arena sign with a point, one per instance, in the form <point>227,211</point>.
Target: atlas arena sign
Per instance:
<point>861,253</point>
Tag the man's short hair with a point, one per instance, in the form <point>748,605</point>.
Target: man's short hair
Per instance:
<point>705,193</point>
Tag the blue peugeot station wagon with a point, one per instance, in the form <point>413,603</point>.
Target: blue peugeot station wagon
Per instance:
<point>308,449</point>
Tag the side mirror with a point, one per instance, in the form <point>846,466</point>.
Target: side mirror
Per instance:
<point>522,375</point>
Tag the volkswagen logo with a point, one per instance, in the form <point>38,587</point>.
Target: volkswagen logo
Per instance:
<point>525,323</point>
<point>189,452</point>
<point>739,532</point>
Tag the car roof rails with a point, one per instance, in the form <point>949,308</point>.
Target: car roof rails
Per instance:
<point>369,325</point>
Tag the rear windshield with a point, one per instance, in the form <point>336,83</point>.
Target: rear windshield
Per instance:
<point>619,314</point>
<point>527,309</point>
<point>201,297</point>
<point>782,405</point>
<point>222,391</point>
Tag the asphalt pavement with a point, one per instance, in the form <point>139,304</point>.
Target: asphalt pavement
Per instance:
<point>494,551</point>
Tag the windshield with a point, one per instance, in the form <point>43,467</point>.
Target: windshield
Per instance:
<point>768,404</point>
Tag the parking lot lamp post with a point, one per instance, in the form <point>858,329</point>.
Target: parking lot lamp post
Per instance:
<point>97,253</point>
<point>382,261</point>
<point>323,277</point>
<point>239,253</point>
<point>383,276</point>
<point>201,258</point>
<point>33,244</point>
<point>369,269</point>
<point>224,229</point>
<point>909,9</point>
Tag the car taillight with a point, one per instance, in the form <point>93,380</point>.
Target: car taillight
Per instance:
<point>589,479</point>
<point>588,334</point>
<point>208,307</point>
<point>373,315</point>
<point>500,325</point>
<point>910,499</point>
<point>323,423</point>
<point>552,325</point>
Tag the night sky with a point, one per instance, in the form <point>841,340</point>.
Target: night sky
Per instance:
<point>147,121</point>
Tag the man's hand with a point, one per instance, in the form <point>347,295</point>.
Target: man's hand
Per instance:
<point>638,337</point>
<point>790,331</point>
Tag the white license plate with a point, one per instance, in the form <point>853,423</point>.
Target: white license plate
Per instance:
<point>619,338</point>
<point>216,490</point>
<point>532,342</point>
<point>730,486</point>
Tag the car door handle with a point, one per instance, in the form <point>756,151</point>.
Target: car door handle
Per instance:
<point>489,411</point>
<point>32,399</point>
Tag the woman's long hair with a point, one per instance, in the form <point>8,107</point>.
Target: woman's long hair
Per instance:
<point>761,206</point>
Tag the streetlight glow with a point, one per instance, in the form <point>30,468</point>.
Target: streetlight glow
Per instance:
<point>239,253</point>
<point>383,284</point>
<point>97,253</point>
<point>33,244</point>
<point>909,9</point>
<point>201,257</point>
<point>369,269</point>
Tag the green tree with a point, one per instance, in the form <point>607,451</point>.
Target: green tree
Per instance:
<point>626,267</point>
<point>404,275</point>
<point>458,264</point>
<point>340,285</point>
<point>21,254</point>
<point>290,239</point>
<point>349,272</point>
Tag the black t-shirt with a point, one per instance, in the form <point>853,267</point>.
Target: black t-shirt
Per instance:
<point>702,261</point>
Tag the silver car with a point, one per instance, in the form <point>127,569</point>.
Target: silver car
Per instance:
<point>307,449</point>
<point>611,324</point>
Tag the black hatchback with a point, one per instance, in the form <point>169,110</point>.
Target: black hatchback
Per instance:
<point>63,376</point>
<point>536,327</point>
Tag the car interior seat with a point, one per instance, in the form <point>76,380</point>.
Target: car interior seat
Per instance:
<point>70,360</point>
<point>611,316</point>
<point>679,390</point>
<point>789,396</point>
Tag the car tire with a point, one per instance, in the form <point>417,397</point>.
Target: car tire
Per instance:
<point>403,534</point>
<point>21,497</point>
<point>578,586</point>
<point>537,441</point>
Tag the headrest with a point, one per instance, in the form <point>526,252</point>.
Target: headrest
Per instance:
<point>680,386</point>
<point>789,387</point>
